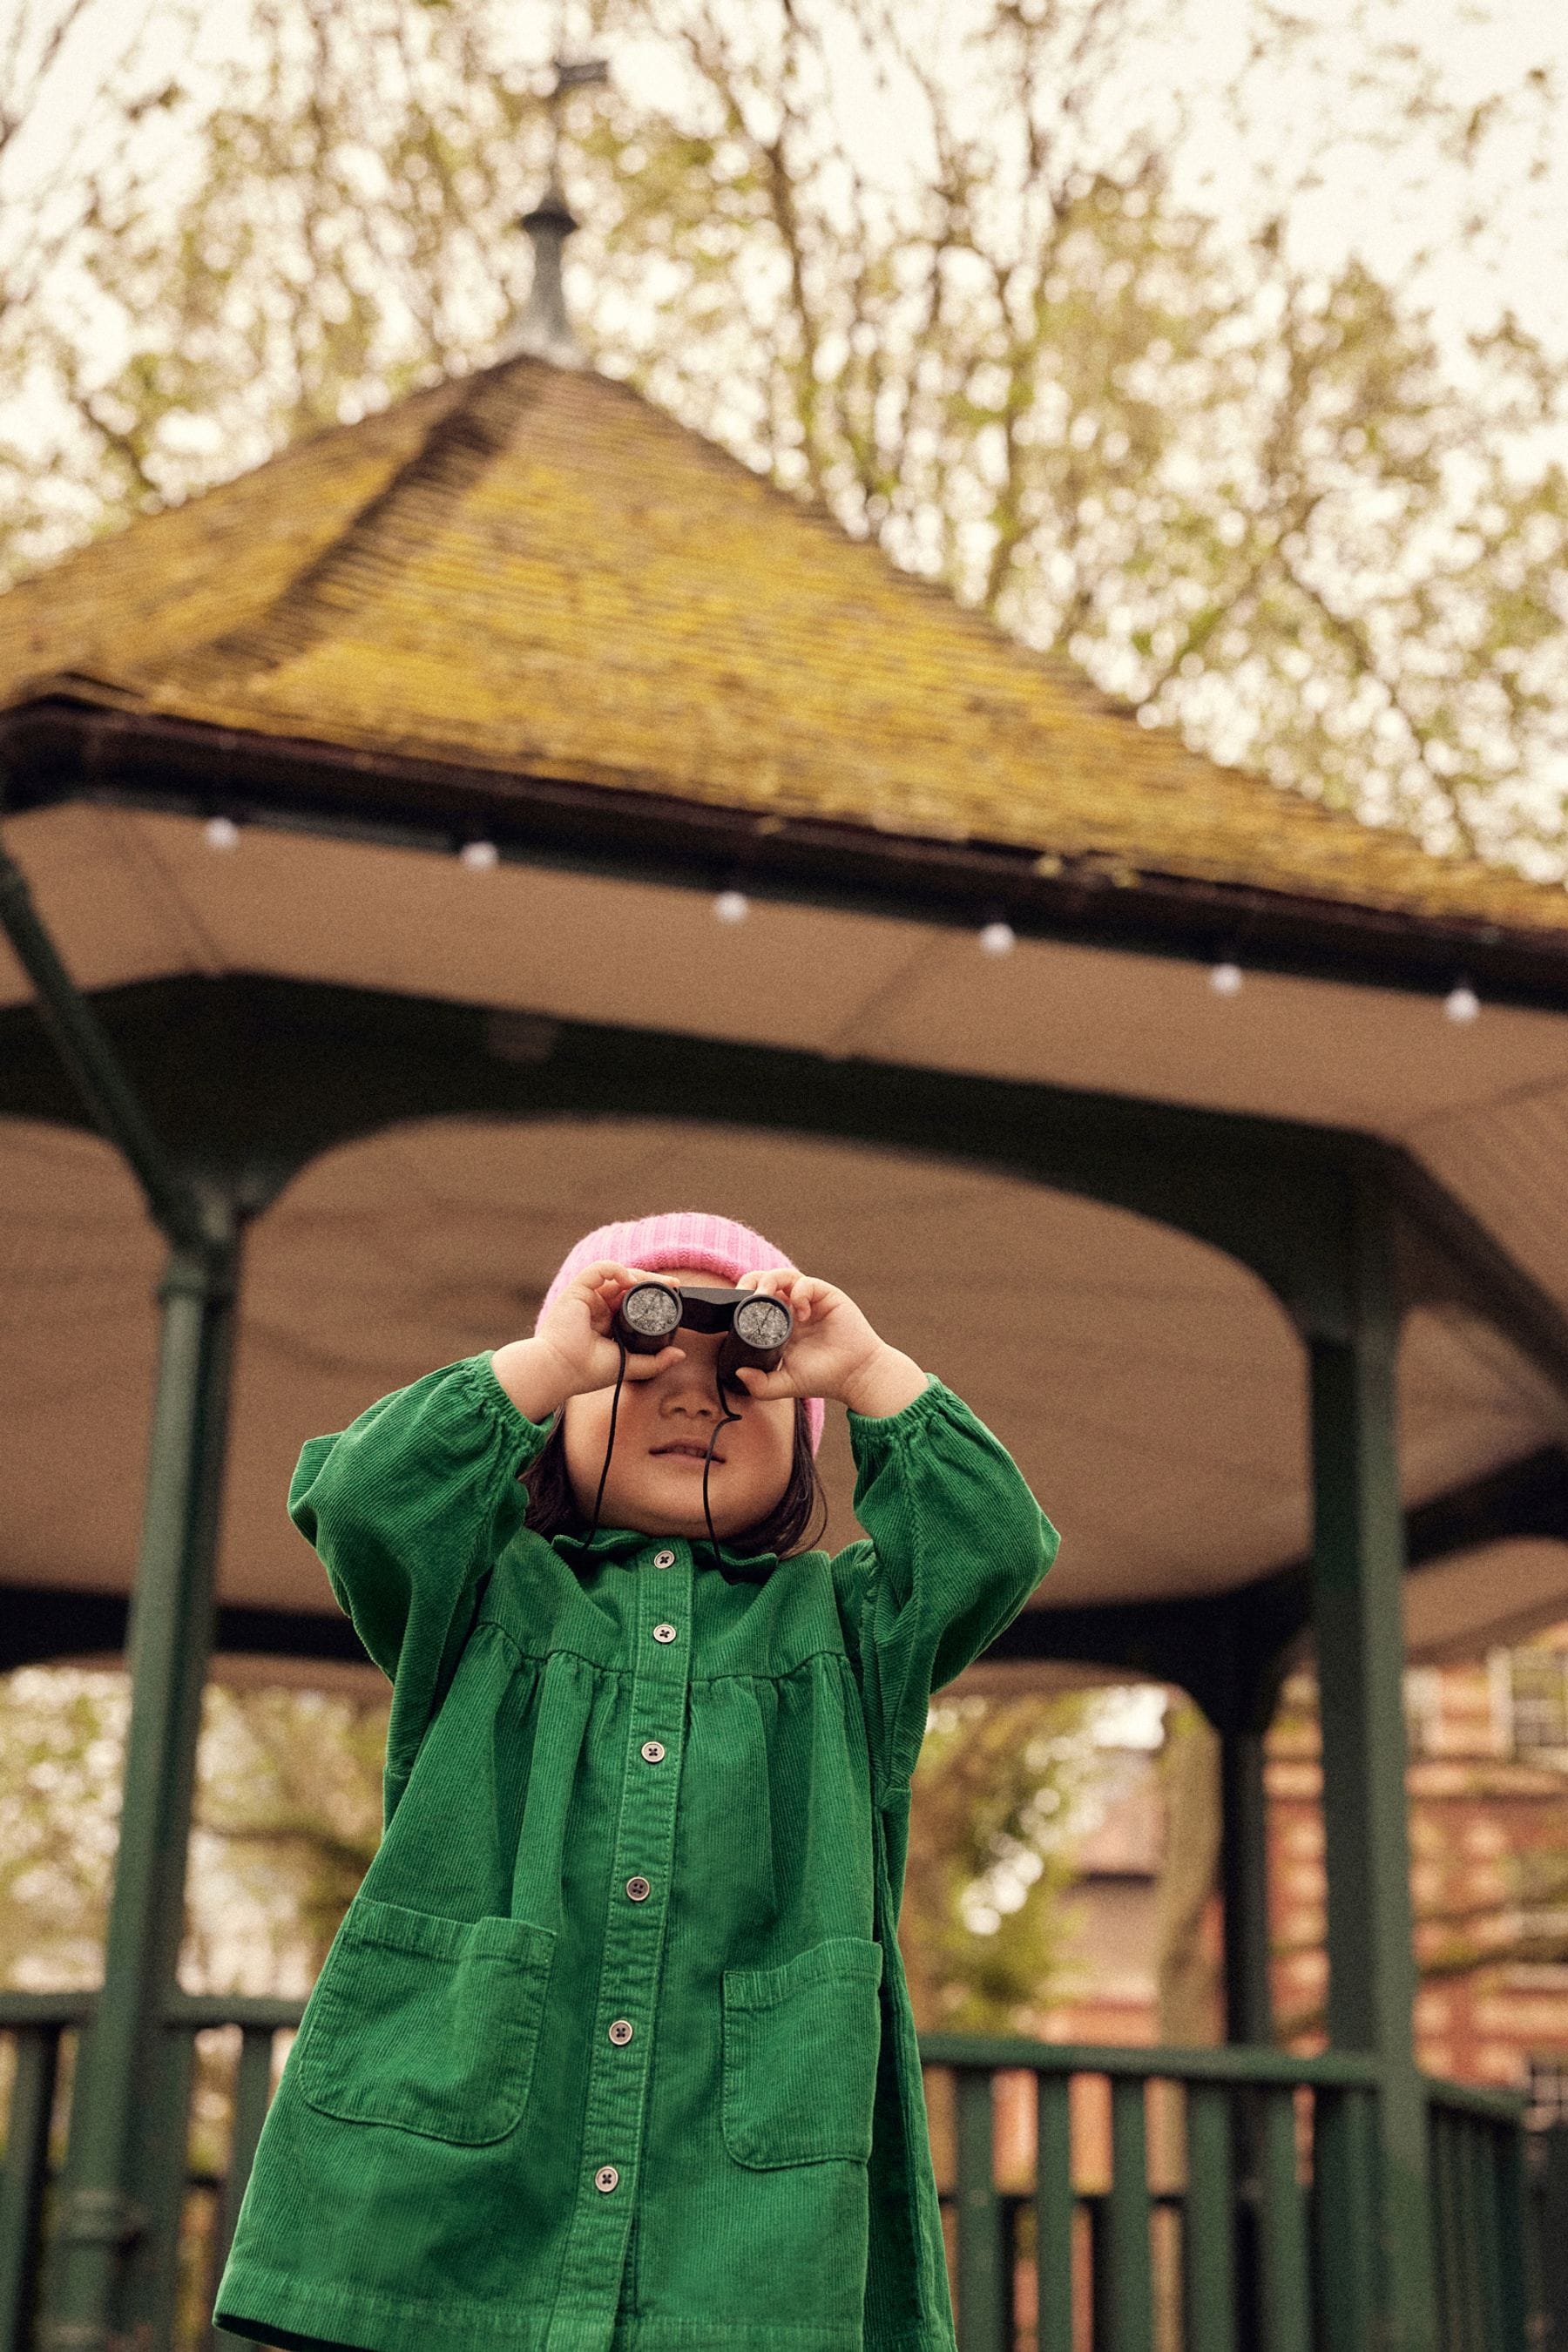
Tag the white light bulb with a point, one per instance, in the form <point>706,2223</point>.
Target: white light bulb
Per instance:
<point>221,833</point>
<point>1225,979</point>
<point>998,939</point>
<point>478,855</point>
<point>1462,1004</point>
<point>732,906</point>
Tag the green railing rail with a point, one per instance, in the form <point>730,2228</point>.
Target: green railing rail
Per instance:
<point>1095,2198</point>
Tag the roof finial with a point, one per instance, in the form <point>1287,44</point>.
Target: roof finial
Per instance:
<point>544,329</point>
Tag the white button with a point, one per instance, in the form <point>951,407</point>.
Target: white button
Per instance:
<point>664,1633</point>
<point>638,1890</point>
<point>621,2032</point>
<point>605,2178</point>
<point>653,1751</point>
<point>664,1560</point>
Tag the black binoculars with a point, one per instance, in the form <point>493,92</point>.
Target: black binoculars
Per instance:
<point>756,1327</point>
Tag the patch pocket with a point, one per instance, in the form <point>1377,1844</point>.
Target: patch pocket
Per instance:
<point>800,2055</point>
<point>427,2024</point>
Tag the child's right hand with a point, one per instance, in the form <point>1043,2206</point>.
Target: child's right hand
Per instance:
<point>573,1348</point>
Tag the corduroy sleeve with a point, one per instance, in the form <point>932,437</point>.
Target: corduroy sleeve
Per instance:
<point>407,1509</point>
<point>957,1545</point>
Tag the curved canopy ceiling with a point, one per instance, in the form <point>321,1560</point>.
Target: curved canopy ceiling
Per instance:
<point>1151,1389</point>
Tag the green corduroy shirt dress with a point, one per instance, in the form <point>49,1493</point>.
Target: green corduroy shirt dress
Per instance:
<point>612,2052</point>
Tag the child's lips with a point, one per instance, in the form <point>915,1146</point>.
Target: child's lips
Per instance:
<point>695,1456</point>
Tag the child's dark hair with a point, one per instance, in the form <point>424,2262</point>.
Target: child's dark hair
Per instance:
<point>796,1521</point>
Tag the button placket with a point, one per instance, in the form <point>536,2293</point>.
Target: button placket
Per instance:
<point>623,2039</point>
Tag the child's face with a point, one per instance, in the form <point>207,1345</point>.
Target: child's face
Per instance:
<point>658,1489</point>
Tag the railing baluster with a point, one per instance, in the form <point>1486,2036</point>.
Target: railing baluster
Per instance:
<point>1448,2230</point>
<point>1053,2213</point>
<point>23,2182</point>
<point>252,2096</point>
<point>1513,2291</point>
<point>1209,2239</point>
<point>1283,2283</point>
<point>983,2300</point>
<point>1483,2173</point>
<point>1472,2310</point>
<point>1457,2263</point>
<point>1132,2293</point>
<point>1551,2235</point>
<point>153,2276</point>
<point>1341,2197</point>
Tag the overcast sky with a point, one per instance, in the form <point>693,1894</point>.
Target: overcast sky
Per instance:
<point>1390,204</point>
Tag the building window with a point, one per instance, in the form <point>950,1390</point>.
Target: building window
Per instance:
<point>1529,1693</point>
<point>1548,2093</point>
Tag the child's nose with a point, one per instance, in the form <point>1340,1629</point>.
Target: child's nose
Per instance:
<point>693,1384</point>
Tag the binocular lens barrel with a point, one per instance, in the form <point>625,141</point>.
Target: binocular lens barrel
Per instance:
<point>763,1323</point>
<point>652,1312</point>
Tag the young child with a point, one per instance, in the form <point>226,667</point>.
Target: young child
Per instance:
<point>614,2047</point>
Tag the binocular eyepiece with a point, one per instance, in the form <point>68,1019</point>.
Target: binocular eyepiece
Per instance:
<point>756,1327</point>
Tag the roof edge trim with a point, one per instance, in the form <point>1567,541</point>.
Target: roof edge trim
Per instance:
<point>57,749</point>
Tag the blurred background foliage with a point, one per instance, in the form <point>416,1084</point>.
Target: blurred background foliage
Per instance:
<point>288,1817</point>
<point>990,280</point>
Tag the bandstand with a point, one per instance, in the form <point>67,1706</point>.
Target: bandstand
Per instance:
<point>509,812</point>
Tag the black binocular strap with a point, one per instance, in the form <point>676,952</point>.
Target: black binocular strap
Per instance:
<point>723,1420</point>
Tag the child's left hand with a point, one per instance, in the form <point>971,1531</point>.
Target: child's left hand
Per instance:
<point>832,1351</point>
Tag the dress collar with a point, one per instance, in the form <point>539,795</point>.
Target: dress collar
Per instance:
<point>618,1546</point>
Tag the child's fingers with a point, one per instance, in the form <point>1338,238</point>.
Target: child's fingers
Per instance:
<point>759,1383</point>
<point>643,1368</point>
<point>609,1274</point>
<point>606,1283</point>
<point>787,1283</point>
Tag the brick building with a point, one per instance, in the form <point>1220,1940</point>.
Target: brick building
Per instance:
<point>1488,1798</point>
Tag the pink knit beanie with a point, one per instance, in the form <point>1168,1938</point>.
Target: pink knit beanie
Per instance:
<point>682,1237</point>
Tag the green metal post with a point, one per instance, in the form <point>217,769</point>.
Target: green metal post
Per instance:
<point>1358,1565</point>
<point>91,1062</point>
<point>122,2073</point>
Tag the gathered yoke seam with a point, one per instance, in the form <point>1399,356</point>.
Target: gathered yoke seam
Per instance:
<point>626,1673</point>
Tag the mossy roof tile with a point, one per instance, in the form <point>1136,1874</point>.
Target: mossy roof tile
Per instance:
<point>534,572</point>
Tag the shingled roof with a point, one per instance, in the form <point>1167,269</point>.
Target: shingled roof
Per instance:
<point>532,571</point>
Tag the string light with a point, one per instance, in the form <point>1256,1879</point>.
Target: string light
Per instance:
<point>1462,1003</point>
<point>479,857</point>
<point>221,833</point>
<point>732,907</point>
<point>1225,979</point>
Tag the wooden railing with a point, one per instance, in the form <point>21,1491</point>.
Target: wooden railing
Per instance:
<point>1481,2201</point>
<point>1095,2200</point>
<point>1217,2201</point>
